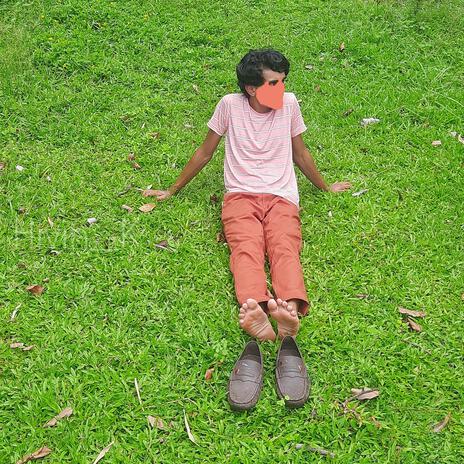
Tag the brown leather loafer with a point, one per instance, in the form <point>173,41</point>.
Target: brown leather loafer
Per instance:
<point>246,379</point>
<point>292,379</point>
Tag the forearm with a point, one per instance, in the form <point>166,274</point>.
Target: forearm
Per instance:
<point>308,168</point>
<point>196,163</point>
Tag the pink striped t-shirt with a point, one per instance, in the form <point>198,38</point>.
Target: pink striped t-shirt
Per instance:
<point>258,146</point>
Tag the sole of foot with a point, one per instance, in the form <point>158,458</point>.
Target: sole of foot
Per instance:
<point>254,321</point>
<point>286,316</point>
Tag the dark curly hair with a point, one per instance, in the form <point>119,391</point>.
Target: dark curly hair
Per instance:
<point>250,69</point>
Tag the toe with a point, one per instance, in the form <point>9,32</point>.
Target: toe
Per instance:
<point>272,305</point>
<point>252,304</point>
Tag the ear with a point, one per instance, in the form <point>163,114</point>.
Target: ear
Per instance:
<point>251,89</point>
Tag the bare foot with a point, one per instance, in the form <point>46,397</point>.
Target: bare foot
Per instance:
<point>254,321</point>
<point>286,316</point>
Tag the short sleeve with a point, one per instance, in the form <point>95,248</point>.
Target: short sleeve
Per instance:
<point>297,124</point>
<point>219,121</point>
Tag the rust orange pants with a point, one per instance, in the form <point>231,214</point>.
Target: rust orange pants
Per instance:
<point>256,224</point>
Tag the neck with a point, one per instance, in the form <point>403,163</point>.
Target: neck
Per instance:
<point>254,103</point>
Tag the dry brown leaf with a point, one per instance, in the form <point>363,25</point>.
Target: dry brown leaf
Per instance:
<point>156,422</point>
<point>131,157</point>
<point>364,393</point>
<point>213,199</point>
<point>35,289</point>
<point>409,312</point>
<point>341,47</point>
<point>163,245</point>
<point>317,88</point>
<point>187,427</point>
<point>102,453</point>
<point>50,222</point>
<point>209,373</point>
<point>23,347</point>
<point>362,296</point>
<point>136,165</point>
<point>442,424</point>
<point>40,453</point>
<point>16,345</point>
<point>147,207</point>
<point>2,166</point>
<point>127,208</point>
<point>66,412</point>
<point>413,325</point>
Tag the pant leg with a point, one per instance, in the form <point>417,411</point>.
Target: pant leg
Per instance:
<point>241,217</point>
<point>283,242</point>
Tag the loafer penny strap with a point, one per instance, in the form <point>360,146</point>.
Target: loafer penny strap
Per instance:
<point>291,366</point>
<point>246,370</point>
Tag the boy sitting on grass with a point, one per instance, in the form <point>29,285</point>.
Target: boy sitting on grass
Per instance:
<point>260,211</point>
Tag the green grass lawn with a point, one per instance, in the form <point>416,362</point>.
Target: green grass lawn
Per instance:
<point>82,85</point>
